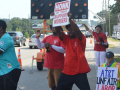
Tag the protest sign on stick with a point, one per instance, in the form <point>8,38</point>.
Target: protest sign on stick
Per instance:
<point>106,78</point>
<point>61,13</point>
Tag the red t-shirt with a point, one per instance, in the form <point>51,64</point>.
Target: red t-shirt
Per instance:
<point>75,61</point>
<point>99,47</point>
<point>54,59</point>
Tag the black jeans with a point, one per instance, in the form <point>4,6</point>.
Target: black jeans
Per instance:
<point>66,82</point>
<point>6,83</point>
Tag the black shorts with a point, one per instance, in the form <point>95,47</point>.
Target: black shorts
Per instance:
<point>66,82</point>
<point>6,83</point>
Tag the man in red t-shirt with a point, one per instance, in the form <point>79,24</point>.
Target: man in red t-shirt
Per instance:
<point>99,48</point>
<point>54,60</point>
<point>75,65</point>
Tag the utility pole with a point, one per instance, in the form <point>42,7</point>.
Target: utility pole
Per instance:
<point>106,14</point>
<point>109,17</point>
<point>103,14</point>
<point>9,22</point>
<point>29,24</point>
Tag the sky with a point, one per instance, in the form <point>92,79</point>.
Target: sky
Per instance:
<point>21,8</point>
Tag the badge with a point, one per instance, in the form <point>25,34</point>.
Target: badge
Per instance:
<point>1,43</point>
<point>55,41</point>
<point>9,65</point>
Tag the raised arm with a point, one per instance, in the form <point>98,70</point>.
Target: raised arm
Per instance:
<point>75,28</point>
<point>88,29</point>
<point>39,43</point>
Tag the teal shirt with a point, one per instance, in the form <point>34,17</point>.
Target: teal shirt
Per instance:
<point>8,59</point>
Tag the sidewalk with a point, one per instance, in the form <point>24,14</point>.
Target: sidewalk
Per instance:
<point>115,50</point>
<point>115,43</point>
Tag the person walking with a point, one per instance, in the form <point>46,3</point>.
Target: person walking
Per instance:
<point>10,70</point>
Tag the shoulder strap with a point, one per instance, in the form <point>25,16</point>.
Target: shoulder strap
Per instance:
<point>100,38</point>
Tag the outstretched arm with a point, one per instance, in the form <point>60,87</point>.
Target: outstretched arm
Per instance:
<point>88,29</point>
<point>75,28</point>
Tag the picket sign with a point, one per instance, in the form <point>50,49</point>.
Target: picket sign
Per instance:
<point>106,78</point>
<point>61,13</point>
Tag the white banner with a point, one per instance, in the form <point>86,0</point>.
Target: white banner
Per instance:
<point>61,13</point>
<point>106,78</point>
<point>119,27</point>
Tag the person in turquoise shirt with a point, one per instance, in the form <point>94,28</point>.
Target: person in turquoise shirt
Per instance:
<point>10,70</point>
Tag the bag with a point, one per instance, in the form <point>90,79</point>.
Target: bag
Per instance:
<point>102,42</point>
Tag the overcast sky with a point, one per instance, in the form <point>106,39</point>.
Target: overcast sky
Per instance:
<point>21,8</point>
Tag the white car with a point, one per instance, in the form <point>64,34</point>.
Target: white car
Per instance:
<point>118,35</point>
<point>32,41</point>
<point>88,34</point>
<point>114,35</point>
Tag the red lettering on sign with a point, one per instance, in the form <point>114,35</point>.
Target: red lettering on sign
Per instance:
<point>62,6</point>
<point>98,87</point>
<point>102,87</point>
<point>106,87</point>
<point>59,21</point>
<point>61,16</point>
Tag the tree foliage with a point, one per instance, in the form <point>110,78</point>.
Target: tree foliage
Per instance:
<point>115,8</point>
<point>113,21</point>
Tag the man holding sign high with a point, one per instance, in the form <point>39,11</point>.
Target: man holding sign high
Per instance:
<point>75,66</point>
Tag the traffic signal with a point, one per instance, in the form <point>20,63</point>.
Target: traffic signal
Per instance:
<point>41,9</point>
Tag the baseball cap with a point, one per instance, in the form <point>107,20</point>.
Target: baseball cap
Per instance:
<point>109,54</point>
<point>98,26</point>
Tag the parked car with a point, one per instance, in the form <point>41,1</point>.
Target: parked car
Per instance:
<point>88,34</point>
<point>18,38</point>
<point>118,35</point>
<point>114,35</point>
<point>32,41</point>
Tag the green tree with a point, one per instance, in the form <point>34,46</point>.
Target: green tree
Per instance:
<point>26,35</point>
<point>115,8</point>
<point>113,21</point>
